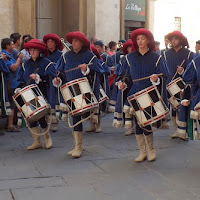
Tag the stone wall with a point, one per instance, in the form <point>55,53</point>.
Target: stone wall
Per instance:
<point>6,16</point>
<point>107,14</point>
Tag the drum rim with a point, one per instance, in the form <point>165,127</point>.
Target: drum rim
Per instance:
<point>24,89</point>
<point>75,112</point>
<point>73,81</point>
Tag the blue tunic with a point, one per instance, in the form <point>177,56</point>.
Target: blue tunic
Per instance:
<point>46,71</point>
<point>71,60</point>
<point>138,66</point>
<point>173,59</point>
<point>14,83</point>
<point>104,78</point>
<point>107,59</point>
<point>54,56</point>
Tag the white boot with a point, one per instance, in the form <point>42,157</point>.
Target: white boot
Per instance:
<point>92,127</point>
<point>47,138</point>
<point>150,148</point>
<point>77,152</point>
<point>129,132</point>
<point>36,139</point>
<point>142,147</point>
<point>175,126</point>
<point>98,128</point>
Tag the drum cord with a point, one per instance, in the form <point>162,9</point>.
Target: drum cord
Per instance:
<point>40,134</point>
<point>72,126</point>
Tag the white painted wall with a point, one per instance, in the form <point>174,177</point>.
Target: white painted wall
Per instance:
<point>107,20</point>
<point>166,10</point>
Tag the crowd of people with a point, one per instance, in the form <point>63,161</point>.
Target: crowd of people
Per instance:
<point>47,80</point>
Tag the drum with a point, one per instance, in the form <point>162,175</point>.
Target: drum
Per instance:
<point>78,96</point>
<point>148,106</point>
<point>175,89</point>
<point>31,103</point>
<point>102,96</point>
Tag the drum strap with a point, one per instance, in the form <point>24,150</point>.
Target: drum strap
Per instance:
<point>189,55</point>
<point>23,66</point>
<point>63,55</point>
<point>48,65</point>
<point>158,60</point>
<point>164,55</point>
<point>127,60</point>
<point>102,63</point>
<point>195,67</point>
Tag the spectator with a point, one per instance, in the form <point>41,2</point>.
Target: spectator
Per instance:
<point>16,37</point>
<point>11,79</point>
<point>113,47</point>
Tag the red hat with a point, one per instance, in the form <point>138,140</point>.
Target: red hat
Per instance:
<point>79,36</point>
<point>147,33</point>
<point>36,44</point>
<point>127,44</point>
<point>95,51</point>
<point>178,34</point>
<point>54,37</point>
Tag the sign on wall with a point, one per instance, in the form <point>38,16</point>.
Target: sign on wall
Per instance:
<point>177,23</point>
<point>135,10</point>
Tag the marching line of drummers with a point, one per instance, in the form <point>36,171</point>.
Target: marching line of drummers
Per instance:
<point>143,89</point>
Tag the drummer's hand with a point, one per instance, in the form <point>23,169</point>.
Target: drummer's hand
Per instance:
<point>83,67</point>
<point>180,69</point>
<point>112,69</point>
<point>121,85</point>
<point>20,55</point>
<point>185,102</point>
<point>33,76</point>
<point>3,56</point>
<point>56,81</point>
<point>154,77</point>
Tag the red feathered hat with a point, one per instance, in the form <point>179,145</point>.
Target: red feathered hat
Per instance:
<point>147,33</point>
<point>36,44</point>
<point>95,51</point>
<point>127,44</point>
<point>54,37</point>
<point>178,34</point>
<point>79,36</point>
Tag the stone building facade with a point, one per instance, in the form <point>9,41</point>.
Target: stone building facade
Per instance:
<point>104,19</point>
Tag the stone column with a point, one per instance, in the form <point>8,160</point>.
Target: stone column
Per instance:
<point>24,16</point>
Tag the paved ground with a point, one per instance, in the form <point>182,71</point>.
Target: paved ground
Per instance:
<point>106,171</point>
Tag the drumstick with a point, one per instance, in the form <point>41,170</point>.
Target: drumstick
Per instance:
<point>147,77</point>
<point>177,70</point>
<point>69,70</point>
<point>31,78</point>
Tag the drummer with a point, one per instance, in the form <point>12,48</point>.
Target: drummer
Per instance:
<point>79,56</point>
<point>187,116</point>
<point>54,47</point>
<point>116,94</point>
<point>40,70</point>
<point>176,55</point>
<point>96,127</point>
<point>143,62</point>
